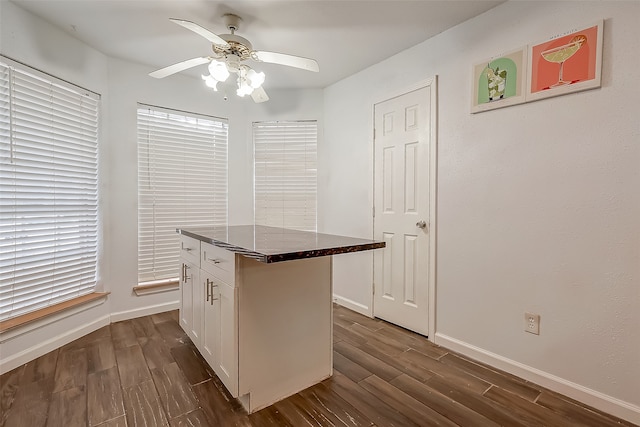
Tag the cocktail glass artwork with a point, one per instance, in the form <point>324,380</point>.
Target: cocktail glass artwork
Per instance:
<point>562,53</point>
<point>497,82</point>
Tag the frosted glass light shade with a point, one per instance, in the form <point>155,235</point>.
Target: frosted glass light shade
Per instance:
<point>210,82</point>
<point>255,79</point>
<point>218,70</point>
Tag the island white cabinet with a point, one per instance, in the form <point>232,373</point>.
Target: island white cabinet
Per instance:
<point>284,342</point>
<point>257,305</point>
<point>208,311</point>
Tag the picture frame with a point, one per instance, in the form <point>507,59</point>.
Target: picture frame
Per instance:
<point>566,63</point>
<point>499,81</point>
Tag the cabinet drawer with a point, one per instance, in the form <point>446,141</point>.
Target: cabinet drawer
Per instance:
<point>219,262</point>
<point>190,250</point>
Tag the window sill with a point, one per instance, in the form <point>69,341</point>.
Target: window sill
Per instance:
<point>29,321</point>
<point>157,287</point>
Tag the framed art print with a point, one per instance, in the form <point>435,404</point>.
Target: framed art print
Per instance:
<point>499,81</point>
<point>566,63</point>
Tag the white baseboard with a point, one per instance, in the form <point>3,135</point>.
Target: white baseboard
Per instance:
<point>352,305</point>
<point>29,354</point>
<point>15,360</point>
<point>601,401</point>
<point>145,311</point>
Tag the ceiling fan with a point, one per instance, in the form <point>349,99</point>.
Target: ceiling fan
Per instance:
<point>230,53</point>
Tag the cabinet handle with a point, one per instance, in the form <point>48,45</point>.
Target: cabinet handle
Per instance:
<point>185,275</point>
<point>208,289</point>
<point>185,249</point>
<point>213,298</point>
<point>213,260</point>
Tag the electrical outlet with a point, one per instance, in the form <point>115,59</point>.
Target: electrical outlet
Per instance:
<point>532,323</point>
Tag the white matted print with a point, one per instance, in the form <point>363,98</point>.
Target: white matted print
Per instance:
<point>499,81</point>
<point>568,62</point>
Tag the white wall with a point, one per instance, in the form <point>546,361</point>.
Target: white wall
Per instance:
<point>538,204</point>
<point>27,38</point>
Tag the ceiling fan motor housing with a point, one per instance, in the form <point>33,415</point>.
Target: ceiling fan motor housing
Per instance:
<point>238,46</point>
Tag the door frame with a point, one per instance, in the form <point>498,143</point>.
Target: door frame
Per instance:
<point>431,83</point>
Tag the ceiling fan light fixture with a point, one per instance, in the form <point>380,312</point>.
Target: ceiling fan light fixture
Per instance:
<point>254,78</point>
<point>244,88</point>
<point>210,82</point>
<point>218,70</point>
<point>230,53</point>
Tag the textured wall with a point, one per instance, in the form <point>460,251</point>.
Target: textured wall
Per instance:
<point>538,204</point>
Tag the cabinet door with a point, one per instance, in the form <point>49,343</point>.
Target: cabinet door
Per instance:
<point>193,276</point>
<point>227,363</point>
<point>186,299</point>
<point>191,301</point>
<point>220,335</point>
<point>211,314</point>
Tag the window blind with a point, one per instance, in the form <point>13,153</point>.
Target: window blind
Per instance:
<point>48,190</point>
<point>285,174</point>
<point>182,181</point>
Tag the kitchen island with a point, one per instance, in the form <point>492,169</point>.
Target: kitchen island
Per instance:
<point>257,303</point>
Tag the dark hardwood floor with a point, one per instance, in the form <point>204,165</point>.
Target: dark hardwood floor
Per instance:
<point>146,372</point>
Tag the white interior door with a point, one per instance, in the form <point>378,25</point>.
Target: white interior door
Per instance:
<point>402,138</point>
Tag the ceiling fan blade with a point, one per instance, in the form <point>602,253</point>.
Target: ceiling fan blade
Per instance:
<point>180,66</point>
<point>288,60</point>
<point>259,95</point>
<point>213,38</point>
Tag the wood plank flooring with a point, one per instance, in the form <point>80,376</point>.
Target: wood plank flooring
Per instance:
<point>146,372</point>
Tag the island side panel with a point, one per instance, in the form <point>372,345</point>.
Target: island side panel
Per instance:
<point>285,328</point>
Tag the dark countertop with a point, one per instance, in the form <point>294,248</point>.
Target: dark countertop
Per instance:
<point>272,244</point>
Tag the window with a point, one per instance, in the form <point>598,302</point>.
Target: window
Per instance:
<point>285,180</point>
<point>48,190</point>
<point>182,181</point>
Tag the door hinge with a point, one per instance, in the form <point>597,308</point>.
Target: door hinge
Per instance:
<point>373,209</point>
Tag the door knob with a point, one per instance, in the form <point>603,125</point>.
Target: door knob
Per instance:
<point>421,224</point>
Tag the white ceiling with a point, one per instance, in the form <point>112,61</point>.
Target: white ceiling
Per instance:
<point>343,36</point>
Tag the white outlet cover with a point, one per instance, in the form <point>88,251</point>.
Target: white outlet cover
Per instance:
<point>532,323</point>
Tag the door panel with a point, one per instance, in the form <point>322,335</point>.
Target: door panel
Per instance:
<point>401,181</point>
<point>410,263</point>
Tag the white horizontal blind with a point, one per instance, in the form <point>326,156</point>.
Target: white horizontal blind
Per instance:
<point>48,190</point>
<point>285,180</point>
<point>182,181</point>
